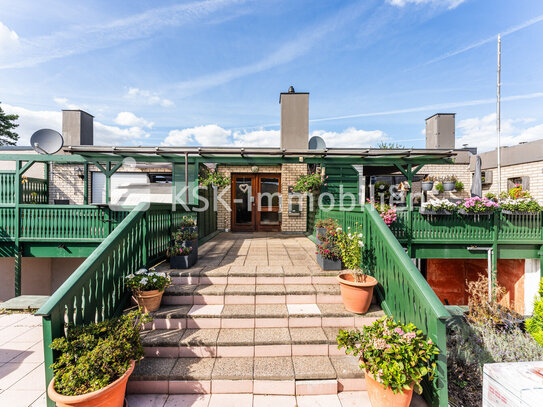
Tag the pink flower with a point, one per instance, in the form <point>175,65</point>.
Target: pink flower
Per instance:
<point>399,331</point>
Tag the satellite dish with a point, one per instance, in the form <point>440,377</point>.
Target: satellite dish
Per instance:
<point>317,143</point>
<point>46,141</point>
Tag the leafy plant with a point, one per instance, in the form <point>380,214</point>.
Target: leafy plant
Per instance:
<point>147,280</point>
<point>386,212</point>
<point>351,248</point>
<point>491,196</point>
<point>396,355</point>
<point>210,176</point>
<point>517,192</point>
<point>459,186</point>
<point>439,205</point>
<point>439,187</point>
<point>95,355</point>
<point>312,182</point>
<point>478,205</point>
<point>187,222</point>
<point>183,235</point>
<point>381,187</point>
<point>534,325</point>
<point>178,250</point>
<point>520,205</point>
<point>328,223</point>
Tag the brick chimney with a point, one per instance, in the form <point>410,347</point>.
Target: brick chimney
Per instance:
<point>77,128</point>
<point>294,119</point>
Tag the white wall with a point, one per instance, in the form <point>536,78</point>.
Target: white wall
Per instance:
<point>531,283</point>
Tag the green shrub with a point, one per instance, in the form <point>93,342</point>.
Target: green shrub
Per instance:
<point>95,355</point>
<point>395,354</point>
<point>309,183</point>
<point>534,325</point>
<point>439,187</point>
<point>459,186</point>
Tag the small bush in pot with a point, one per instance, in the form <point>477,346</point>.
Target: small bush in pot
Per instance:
<point>395,358</point>
<point>96,360</point>
<point>181,256</point>
<point>148,288</point>
<point>356,286</point>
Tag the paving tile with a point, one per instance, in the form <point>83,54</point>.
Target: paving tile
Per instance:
<point>265,336</point>
<point>238,311</point>
<point>313,367</point>
<point>205,310</point>
<point>186,400</point>
<point>231,400</point>
<point>328,289</point>
<point>271,310</point>
<point>10,319</point>
<point>171,311</point>
<point>354,399</point>
<point>40,401</point>
<point>192,369</point>
<point>235,337</point>
<point>13,349</point>
<point>146,400</point>
<point>270,270</point>
<point>180,290</point>
<point>331,334</point>
<point>273,368</point>
<point>215,271</point>
<point>273,401</point>
<point>19,398</point>
<point>210,289</point>
<point>240,289</point>
<point>329,400</point>
<point>300,289</point>
<point>334,310</point>
<point>270,289</point>
<point>163,337</point>
<point>303,309</point>
<point>347,366</point>
<point>242,271</point>
<point>200,337</point>
<point>33,381</point>
<point>307,335</point>
<point>153,369</point>
<point>233,369</point>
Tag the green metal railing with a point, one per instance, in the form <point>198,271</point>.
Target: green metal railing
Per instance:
<point>33,190</point>
<point>96,291</point>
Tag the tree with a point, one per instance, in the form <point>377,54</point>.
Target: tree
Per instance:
<point>389,146</point>
<point>7,124</point>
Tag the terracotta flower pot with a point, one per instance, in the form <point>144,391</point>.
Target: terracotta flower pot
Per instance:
<point>385,397</point>
<point>148,301</point>
<point>111,396</point>
<point>356,296</point>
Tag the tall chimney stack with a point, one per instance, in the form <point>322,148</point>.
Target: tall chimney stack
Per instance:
<point>77,128</point>
<point>294,119</point>
<point>440,129</point>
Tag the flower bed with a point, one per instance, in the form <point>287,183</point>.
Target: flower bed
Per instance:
<point>512,206</point>
<point>438,207</point>
<point>477,206</point>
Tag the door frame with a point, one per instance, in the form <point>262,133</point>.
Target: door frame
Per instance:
<point>255,225</point>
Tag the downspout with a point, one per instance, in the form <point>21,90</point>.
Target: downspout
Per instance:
<point>489,251</point>
<point>186,178</point>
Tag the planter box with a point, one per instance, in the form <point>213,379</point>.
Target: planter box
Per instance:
<point>191,243</point>
<point>507,212</point>
<point>191,229</point>
<point>319,231</point>
<point>183,262</point>
<point>327,264</point>
<point>466,213</point>
<point>434,213</point>
<point>427,185</point>
<point>449,185</point>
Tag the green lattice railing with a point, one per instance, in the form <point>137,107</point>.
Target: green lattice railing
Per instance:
<point>33,190</point>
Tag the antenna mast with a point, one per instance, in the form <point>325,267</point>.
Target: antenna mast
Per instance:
<point>498,113</point>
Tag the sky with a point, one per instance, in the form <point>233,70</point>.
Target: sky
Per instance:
<point>209,72</point>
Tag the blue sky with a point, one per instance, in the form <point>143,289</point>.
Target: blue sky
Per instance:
<point>210,72</point>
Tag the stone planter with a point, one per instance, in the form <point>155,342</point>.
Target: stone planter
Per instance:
<point>356,295</point>
<point>112,395</point>
<point>148,301</point>
<point>449,185</point>
<point>327,264</point>
<point>427,185</point>
<point>381,396</point>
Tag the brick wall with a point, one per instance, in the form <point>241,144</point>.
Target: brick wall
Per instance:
<point>532,170</point>
<point>460,171</point>
<point>289,173</point>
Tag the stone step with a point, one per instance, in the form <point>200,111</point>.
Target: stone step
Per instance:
<point>259,316</point>
<point>252,294</point>
<point>296,375</point>
<point>244,342</point>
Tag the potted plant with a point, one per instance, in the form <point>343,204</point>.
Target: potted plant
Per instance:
<point>181,257</point>
<point>328,256</point>
<point>188,237</point>
<point>95,362</point>
<point>355,285</point>
<point>322,225</point>
<point>309,183</point>
<point>395,358</point>
<point>386,212</point>
<point>449,182</point>
<point>477,206</point>
<point>147,288</point>
<point>438,207</point>
<point>428,183</point>
<point>210,176</point>
<point>510,206</point>
<point>459,186</point>
<point>439,188</point>
<point>188,223</point>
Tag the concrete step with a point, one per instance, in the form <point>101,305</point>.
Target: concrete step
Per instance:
<point>252,294</point>
<point>259,316</point>
<point>296,375</point>
<point>245,342</point>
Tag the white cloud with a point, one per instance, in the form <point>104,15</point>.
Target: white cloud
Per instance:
<point>8,39</point>
<point>351,137</point>
<point>32,120</point>
<point>64,103</point>
<point>257,138</point>
<point>130,119</point>
<point>81,38</point>
<point>148,97</point>
<point>207,135</point>
<point>481,132</point>
<point>450,4</point>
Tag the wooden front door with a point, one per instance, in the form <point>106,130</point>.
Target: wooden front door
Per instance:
<point>255,202</point>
